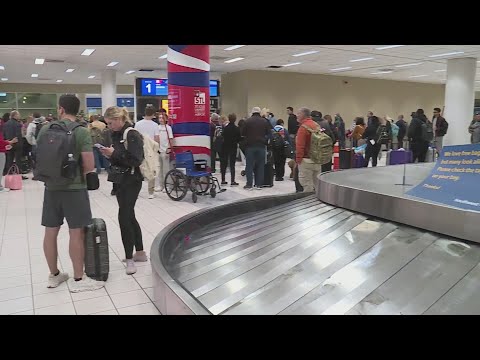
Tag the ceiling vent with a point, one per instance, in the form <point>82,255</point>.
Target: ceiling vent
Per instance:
<point>55,61</point>
<point>274,67</point>
<point>218,58</point>
<point>386,69</point>
<point>44,79</point>
<point>146,70</point>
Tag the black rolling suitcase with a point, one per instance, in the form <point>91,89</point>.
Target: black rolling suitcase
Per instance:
<point>346,158</point>
<point>97,263</point>
<point>268,175</point>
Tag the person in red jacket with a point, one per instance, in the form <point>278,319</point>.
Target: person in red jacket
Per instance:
<point>308,170</point>
<point>5,145</point>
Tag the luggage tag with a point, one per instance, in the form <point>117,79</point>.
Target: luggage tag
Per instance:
<point>372,142</point>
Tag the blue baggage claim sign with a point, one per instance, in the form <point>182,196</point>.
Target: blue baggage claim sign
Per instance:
<point>455,180</point>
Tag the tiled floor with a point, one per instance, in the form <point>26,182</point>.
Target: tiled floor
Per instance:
<point>24,271</point>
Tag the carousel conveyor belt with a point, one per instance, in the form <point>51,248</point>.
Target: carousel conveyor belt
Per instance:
<point>307,257</point>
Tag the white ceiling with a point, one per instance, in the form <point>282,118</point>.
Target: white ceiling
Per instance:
<point>18,61</point>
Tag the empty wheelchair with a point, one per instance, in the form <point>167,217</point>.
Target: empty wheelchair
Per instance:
<point>190,175</point>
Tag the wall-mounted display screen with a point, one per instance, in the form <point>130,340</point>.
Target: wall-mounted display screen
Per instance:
<point>159,87</point>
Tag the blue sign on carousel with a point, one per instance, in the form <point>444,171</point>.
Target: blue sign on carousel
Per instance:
<point>455,180</point>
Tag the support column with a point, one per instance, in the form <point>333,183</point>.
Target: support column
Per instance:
<point>189,98</point>
<point>109,89</point>
<point>459,99</point>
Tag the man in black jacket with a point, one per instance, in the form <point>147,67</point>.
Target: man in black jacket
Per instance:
<point>256,132</point>
<point>231,138</point>
<point>292,125</point>
<point>402,130</point>
<point>440,127</point>
<point>419,145</point>
<point>13,129</point>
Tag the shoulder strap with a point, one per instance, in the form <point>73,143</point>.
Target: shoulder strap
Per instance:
<point>125,133</point>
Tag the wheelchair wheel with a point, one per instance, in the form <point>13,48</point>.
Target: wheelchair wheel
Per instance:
<point>176,185</point>
<point>194,197</point>
<point>213,192</point>
<point>202,184</point>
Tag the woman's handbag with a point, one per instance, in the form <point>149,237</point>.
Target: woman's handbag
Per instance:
<point>13,180</point>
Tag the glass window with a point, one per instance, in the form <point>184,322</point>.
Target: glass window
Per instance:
<point>37,101</point>
<point>7,101</point>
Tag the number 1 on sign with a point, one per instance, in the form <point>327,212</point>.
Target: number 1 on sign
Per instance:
<point>149,87</point>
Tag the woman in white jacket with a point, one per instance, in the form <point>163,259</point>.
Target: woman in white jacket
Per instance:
<point>166,138</point>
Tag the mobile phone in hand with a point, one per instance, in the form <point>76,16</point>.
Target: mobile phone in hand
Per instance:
<point>99,146</point>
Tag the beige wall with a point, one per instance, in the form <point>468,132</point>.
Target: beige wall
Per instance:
<point>328,94</point>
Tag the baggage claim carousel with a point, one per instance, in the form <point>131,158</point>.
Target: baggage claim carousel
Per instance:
<point>345,250</point>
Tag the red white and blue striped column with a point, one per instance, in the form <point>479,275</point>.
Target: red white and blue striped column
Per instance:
<point>189,98</point>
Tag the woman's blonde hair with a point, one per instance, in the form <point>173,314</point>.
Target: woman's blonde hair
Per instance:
<point>115,112</point>
<point>223,119</point>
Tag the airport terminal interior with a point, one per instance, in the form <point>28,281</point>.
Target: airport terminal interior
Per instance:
<point>342,182</point>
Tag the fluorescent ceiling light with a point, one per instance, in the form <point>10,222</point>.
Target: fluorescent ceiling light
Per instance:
<point>164,56</point>
<point>440,70</point>
<point>59,81</point>
<point>34,75</point>
<point>306,53</point>
<point>381,72</point>
<point>39,61</point>
<point>447,54</point>
<point>70,70</point>
<point>408,65</point>
<point>342,68</point>
<point>388,47</point>
<point>2,67</point>
<point>4,79</point>
<point>291,64</point>
<point>233,60</point>
<point>88,52</point>
<point>130,72</point>
<point>113,63</point>
<point>362,59</point>
<point>91,77</point>
<point>233,47</point>
<point>417,76</point>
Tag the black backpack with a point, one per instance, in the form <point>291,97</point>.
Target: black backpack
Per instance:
<point>382,134</point>
<point>218,139</point>
<point>427,131</point>
<point>278,142</point>
<point>55,162</point>
<point>38,127</point>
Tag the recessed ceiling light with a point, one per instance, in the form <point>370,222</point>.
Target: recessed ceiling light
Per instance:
<point>130,72</point>
<point>39,61</point>
<point>291,64</point>
<point>342,68</point>
<point>59,81</point>
<point>388,47</point>
<point>447,54</point>
<point>306,53</point>
<point>2,67</point>
<point>91,77</point>
<point>113,63</point>
<point>441,70</point>
<point>233,60</point>
<point>88,52</point>
<point>362,59</point>
<point>381,72</point>
<point>164,56</point>
<point>70,70</point>
<point>408,65</point>
<point>34,75</point>
<point>417,76</point>
<point>233,47</point>
<point>4,79</point>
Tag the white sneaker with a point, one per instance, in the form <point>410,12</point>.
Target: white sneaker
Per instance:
<point>4,190</point>
<point>139,256</point>
<point>158,189</point>
<point>151,196</point>
<point>131,268</point>
<point>54,281</point>
<point>86,284</point>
